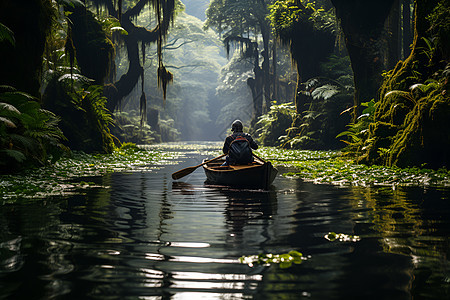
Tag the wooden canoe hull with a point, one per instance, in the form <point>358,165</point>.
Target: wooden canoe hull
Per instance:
<point>256,175</point>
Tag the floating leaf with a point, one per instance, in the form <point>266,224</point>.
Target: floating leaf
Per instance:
<point>342,237</point>
<point>285,260</point>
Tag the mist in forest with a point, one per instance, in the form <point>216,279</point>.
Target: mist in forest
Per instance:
<point>208,92</point>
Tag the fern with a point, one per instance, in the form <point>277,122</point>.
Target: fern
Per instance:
<point>28,131</point>
<point>273,124</point>
<point>7,122</point>
<point>6,34</point>
<point>357,133</point>
<point>325,92</point>
<point>18,156</point>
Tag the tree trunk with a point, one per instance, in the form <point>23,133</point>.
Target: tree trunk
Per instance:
<point>127,81</point>
<point>256,87</point>
<point>393,52</point>
<point>94,51</point>
<point>274,73</point>
<point>363,23</point>
<point>407,32</point>
<point>21,65</point>
<point>265,32</point>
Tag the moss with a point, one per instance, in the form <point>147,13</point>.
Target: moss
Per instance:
<point>412,132</point>
<point>381,133</point>
<point>426,139</point>
<point>394,107</point>
<point>413,116</point>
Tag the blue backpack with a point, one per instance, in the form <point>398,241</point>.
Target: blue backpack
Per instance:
<point>240,151</point>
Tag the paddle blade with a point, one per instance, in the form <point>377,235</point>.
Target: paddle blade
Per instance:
<point>183,172</point>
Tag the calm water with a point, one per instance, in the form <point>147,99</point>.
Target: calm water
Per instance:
<point>146,237</point>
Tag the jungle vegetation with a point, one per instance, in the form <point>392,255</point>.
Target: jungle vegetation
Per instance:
<point>60,57</point>
<point>368,75</point>
<point>398,97</point>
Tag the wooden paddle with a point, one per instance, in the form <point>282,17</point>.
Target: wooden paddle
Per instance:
<point>259,158</point>
<point>189,170</point>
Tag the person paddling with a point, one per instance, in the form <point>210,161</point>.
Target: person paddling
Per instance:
<point>238,146</point>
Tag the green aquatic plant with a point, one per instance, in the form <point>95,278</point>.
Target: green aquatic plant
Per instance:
<point>341,237</point>
<point>64,176</point>
<point>332,167</point>
<point>284,260</point>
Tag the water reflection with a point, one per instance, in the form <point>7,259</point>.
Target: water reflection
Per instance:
<point>148,237</point>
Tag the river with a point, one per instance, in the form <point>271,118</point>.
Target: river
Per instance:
<point>139,235</point>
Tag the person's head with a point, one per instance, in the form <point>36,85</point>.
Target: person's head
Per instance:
<point>237,126</point>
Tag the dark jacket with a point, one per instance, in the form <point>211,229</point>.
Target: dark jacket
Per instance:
<point>231,138</point>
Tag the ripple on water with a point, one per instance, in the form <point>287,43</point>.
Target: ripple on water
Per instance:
<point>141,235</point>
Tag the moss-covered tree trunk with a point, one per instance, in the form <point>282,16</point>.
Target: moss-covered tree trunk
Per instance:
<point>21,65</point>
<point>363,23</point>
<point>412,119</point>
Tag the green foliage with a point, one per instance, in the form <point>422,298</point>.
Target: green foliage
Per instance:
<point>322,118</point>
<point>128,129</point>
<point>129,147</point>
<point>273,124</point>
<point>288,16</point>
<point>234,17</point>
<point>408,124</point>
<point>85,119</point>
<point>29,135</point>
<point>331,167</point>
<point>357,133</point>
<point>335,66</point>
<point>404,121</point>
<point>81,105</point>
<point>440,27</point>
<point>6,35</point>
<point>284,260</point>
<point>93,104</point>
<point>283,14</point>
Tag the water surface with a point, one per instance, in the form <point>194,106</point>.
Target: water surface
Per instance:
<point>142,236</point>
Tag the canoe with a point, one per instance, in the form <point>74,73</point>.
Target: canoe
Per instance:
<point>258,174</point>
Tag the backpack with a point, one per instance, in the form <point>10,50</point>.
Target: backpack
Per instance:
<point>240,151</point>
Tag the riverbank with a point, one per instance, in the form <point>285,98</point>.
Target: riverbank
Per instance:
<point>70,174</point>
<point>330,167</point>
